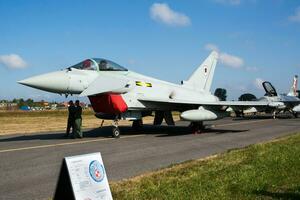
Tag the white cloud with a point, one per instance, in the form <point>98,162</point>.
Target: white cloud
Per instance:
<point>211,47</point>
<point>13,61</point>
<point>296,16</point>
<point>225,58</point>
<point>229,2</point>
<point>258,83</point>
<point>231,60</point>
<point>161,12</point>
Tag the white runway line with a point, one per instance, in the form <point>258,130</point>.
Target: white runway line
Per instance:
<point>65,144</point>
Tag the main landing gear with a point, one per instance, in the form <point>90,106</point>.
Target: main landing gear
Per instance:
<point>274,114</point>
<point>296,115</point>
<point>197,127</point>
<point>137,124</point>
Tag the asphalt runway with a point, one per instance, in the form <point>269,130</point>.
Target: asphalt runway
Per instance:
<point>30,163</point>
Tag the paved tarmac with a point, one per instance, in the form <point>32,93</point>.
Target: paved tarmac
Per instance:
<point>30,163</point>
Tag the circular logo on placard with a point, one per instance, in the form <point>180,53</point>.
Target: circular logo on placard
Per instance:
<point>96,171</point>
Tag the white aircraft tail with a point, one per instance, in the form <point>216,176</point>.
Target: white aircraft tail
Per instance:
<point>202,77</point>
<point>294,88</point>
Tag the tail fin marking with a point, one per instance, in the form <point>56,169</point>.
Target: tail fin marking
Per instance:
<point>202,77</point>
<point>294,88</point>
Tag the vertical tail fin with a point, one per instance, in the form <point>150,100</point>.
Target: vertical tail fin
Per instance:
<point>202,77</point>
<point>294,88</point>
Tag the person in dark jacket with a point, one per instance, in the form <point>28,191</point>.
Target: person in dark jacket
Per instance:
<point>71,118</point>
<point>78,120</point>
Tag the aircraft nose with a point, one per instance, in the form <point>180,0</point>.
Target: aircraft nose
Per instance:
<point>57,82</point>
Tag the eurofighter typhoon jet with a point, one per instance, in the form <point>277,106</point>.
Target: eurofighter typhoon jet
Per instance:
<point>117,94</point>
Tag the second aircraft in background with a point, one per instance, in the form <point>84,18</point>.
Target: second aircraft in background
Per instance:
<point>277,102</point>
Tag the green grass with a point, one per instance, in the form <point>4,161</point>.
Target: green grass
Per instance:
<point>263,171</point>
<point>45,113</point>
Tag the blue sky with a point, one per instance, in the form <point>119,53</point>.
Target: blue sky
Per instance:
<point>257,40</point>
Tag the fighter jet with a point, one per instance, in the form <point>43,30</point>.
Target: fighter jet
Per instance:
<point>279,102</point>
<point>117,94</point>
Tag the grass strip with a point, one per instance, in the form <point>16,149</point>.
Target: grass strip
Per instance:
<point>262,171</point>
<point>44,113</point>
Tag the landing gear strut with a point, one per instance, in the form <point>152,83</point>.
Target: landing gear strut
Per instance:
<point>137,124</point>
<point>239,114</point>
<point>197,127</point>
<point>274,115</point>
<point>116,131</point>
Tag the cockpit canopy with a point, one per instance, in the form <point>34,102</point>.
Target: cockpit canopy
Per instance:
<point>98,64</point>
<point>269,88</point>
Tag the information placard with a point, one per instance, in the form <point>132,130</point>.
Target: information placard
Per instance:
<point>87,178</point>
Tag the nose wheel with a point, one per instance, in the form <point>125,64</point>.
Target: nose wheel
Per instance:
<point>116,131</point>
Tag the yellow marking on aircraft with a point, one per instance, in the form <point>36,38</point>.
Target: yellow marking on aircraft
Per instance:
<point>143,84</point>
<point>65,144</point>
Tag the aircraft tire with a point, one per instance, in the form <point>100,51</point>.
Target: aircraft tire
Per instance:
<point>116,132</point>
<point>296,115</point>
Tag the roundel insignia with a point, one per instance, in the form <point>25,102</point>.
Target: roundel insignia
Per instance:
<point>205,70</point>
<point>96,170</point>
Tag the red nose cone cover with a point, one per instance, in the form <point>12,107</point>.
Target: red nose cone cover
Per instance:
<point>108,103</point>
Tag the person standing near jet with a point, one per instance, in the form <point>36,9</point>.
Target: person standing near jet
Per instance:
<point>78,120</point>
<point>71,118</point>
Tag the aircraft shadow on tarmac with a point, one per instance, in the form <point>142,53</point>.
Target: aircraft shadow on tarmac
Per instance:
<point>105,132</point>
<point>179,131</point>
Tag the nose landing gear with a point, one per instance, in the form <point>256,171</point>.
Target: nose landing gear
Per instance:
<point>116,131</point>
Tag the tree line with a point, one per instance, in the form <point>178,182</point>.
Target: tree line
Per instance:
<point>28,102</point>
<point>221,93</point>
